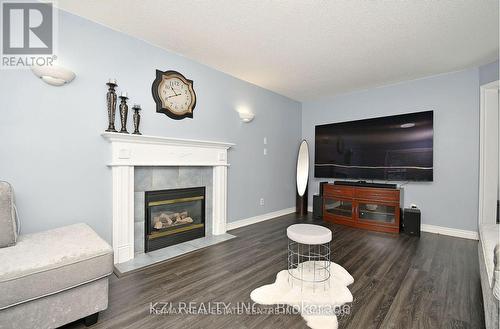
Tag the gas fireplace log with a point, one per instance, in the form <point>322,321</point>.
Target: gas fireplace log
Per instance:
<point>186,220</point>
<point>177,215</point>
<point>165,219</point>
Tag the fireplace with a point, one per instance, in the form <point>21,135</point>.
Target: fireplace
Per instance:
<point>173,216</point>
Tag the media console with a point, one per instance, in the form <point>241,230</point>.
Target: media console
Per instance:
<point>371,208</point>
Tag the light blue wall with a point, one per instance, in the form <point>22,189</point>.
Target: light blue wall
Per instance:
<point>54,155</point>
<point>56,159</point>
<point>488,73</point>
<point>452,199</point>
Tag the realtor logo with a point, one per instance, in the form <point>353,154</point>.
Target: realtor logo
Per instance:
<point>27,29</point>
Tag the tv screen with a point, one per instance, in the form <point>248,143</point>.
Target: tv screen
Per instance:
<point>394,148</point>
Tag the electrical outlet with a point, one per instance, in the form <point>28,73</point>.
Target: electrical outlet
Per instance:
<point>265,140</point>
<point>261,201</point>
<point>265,151</point>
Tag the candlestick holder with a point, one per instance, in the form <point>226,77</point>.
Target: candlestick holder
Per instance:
<point>111,104</point>
<point>137,119</point>
<point>123,114</point>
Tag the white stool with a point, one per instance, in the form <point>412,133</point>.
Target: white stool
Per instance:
<point>309,254</point>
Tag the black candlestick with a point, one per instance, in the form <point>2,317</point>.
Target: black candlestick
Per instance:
<point>111,103</point>
<point>123,114</point>
<point>137,119</point>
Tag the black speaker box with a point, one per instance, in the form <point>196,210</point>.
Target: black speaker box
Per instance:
<point>411,221</point>
<point>317,206</point>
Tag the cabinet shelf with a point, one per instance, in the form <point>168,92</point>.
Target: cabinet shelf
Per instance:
<point>376,212</point>
<point>381,219</point>
<point>340,212</point>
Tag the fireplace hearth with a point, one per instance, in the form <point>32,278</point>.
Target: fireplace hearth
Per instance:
<point>173,216</point>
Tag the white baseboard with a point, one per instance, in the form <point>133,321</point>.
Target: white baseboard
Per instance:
<point>259,218</point>
<point>472,235</point>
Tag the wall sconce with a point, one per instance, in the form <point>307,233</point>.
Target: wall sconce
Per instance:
<point>54,75</point>
<point>245,114</point>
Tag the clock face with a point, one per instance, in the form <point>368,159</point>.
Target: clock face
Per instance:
<point>174,94</point>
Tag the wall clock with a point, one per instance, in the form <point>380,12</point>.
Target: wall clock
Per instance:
<point>174,95</point>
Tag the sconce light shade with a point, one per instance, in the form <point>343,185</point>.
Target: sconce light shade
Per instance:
<point>53,75</point>
<point>245,115</point>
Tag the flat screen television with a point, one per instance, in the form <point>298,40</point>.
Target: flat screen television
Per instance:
<point>394,148</point>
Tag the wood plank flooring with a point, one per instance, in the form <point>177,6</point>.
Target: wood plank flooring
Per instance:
<point>400,281</point>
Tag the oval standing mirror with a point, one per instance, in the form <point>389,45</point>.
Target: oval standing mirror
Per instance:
<point>302,178</point>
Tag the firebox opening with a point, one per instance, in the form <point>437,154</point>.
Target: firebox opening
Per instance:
<point>173,216</point>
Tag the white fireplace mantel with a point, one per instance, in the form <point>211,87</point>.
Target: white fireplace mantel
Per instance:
<point>129,151</point>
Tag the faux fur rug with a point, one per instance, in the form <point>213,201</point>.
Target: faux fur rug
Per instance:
<point>319,307</point>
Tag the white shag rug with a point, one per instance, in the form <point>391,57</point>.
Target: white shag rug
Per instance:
<point>319,307</point>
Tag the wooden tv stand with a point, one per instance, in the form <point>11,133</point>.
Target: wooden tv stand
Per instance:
<point>376,209</point>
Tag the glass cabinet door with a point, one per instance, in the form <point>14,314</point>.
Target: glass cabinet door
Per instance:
<point>376,213</point>
<point>338,207</point>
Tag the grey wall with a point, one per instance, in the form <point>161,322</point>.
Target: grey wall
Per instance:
<point>488,73</point>
<point>452,199</point>
<point>53,153</point>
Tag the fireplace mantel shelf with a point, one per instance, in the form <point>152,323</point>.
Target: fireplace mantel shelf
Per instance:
<point>148,139</point>
<point>143,150</point>
<point>129,151</point>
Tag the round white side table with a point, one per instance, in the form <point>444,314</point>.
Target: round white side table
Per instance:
<point>309,255</point>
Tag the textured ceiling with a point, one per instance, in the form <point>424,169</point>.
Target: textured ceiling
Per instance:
<point>308,49</point>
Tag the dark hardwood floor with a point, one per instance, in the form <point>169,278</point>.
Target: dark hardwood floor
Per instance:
<point>400,281</point>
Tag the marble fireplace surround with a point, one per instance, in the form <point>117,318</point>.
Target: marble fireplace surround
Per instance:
<point>130,151</point>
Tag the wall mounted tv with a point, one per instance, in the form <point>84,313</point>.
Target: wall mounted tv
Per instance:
<point>394,148</point>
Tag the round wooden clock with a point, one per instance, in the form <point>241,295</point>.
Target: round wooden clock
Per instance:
<point>174,95</point>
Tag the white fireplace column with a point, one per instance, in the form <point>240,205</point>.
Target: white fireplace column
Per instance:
<point>123,213</point>
<point>129,151</point>
<point>219,200</point>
